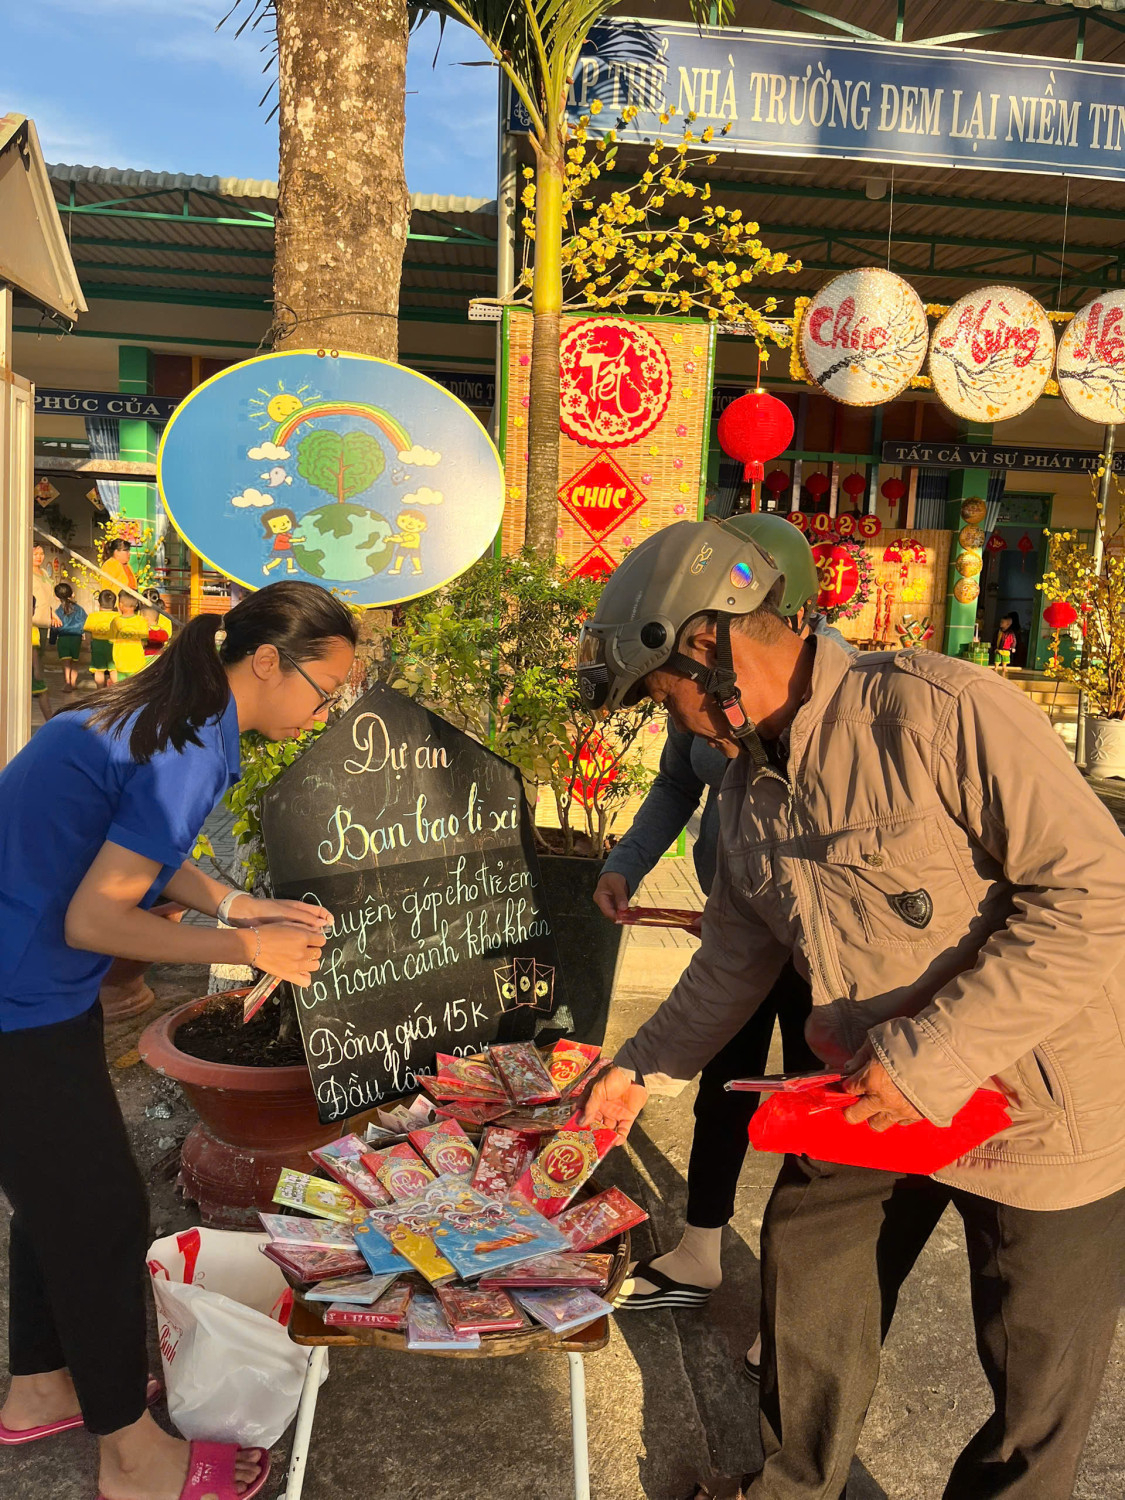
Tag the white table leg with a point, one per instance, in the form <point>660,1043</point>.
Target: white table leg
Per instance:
<point>578,1427</point>
<point>302,1433</point>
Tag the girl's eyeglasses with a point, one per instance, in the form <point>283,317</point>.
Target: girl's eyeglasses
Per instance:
<point>327,700</point>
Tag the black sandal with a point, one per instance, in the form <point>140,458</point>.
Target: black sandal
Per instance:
<point>752,1370</point>
<point>668,1293</point>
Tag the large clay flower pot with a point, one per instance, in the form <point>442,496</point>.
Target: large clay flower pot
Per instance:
<point>1105,747</point>
<point>252,1122</point>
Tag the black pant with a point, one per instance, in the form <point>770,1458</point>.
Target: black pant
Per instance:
<point>719,1145</point>
<point>79,1228</point>
<point>837,1244</point>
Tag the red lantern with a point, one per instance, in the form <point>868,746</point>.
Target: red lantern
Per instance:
<point>996,543</point>
<point>892,490</point>
<point>777,481</point>
<point>854,485</point>
<point>754,429</point>
<point>818,484</point>
<point>1060,615</point>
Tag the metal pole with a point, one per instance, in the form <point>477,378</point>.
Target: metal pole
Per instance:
<point>507,187</point>
<point>302,1433</point>
<point>17,449</point>
<point>1109,438</point>
<point>579,1435</point>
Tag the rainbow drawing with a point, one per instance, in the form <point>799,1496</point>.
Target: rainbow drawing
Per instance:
<point>393,430</point>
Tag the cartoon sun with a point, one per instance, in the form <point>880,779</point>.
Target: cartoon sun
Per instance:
<point>275,408</point>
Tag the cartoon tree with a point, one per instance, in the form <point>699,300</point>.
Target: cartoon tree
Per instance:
<point>343,464</point>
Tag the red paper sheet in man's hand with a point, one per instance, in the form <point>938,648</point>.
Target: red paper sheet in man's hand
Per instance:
<point>809,1121</point>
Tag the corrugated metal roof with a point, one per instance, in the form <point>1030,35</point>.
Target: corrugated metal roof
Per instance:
<point>172,236</point>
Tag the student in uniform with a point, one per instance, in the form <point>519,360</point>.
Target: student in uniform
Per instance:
<point>132,779</point>
<point>159,625</point>
<point>99,627</point>
<point>68,643</point>
<point>130,632</point>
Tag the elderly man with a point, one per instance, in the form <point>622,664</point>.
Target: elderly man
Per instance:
<point>908,829</point>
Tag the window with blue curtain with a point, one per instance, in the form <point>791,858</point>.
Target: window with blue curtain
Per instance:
<point>930,499</point>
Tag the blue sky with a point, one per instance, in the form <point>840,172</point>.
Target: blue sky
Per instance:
<point>149,84</point>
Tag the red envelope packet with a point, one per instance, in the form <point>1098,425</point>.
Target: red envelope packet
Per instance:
<point>470,1310</point>
<point>569,1062</point>
<point>522,1073</point>
<point>469,1112</point>
<point>808,1121</point>
<point>565,1161</point>
<point>566,1268</point>
<point>597,1219</point>
<point>504,1157</point>
<point>446,1148</point>
<point>400,1170</point>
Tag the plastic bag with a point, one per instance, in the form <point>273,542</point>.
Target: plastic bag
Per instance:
<point>231,1372</point>
<point>807,1119</point>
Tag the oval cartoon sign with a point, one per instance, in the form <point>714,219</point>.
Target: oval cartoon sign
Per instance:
<point>340,469</point>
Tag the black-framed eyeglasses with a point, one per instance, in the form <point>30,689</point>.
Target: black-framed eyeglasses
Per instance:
<point>327,700</point>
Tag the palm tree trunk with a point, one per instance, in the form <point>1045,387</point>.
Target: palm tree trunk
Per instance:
<point>543,408</point>
<point>343,209</point>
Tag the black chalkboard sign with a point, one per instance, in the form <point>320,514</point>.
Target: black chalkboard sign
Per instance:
<point>418,841</point>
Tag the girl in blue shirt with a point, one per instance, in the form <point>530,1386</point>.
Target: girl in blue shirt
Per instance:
<point>132,780</point>
<point>68,642</point>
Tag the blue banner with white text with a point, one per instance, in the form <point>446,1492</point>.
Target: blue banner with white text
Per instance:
<point>789,95</point>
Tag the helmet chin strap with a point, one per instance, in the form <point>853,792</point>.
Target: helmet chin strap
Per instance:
<point>719,682</point>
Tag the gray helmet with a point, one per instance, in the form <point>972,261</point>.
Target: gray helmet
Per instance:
<point>687,569</point>
<point>788,549</point>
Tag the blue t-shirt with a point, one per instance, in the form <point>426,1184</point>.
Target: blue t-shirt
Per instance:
<point>69,791</point>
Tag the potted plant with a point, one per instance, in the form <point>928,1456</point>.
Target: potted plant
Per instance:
<point>494,653</point>
<point>1091,579</point>
<point>250,1084</point>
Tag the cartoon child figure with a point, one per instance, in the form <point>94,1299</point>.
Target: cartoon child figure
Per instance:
<point>408,540</point>
<point>278,526</point>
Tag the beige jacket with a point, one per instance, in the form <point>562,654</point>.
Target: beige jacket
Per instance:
<point>952,890</point>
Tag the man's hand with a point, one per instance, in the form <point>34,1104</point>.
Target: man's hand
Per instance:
<point>615,1102</point>
<point>611,895</point>
<point>250,911</point>
<point>880,1103</point>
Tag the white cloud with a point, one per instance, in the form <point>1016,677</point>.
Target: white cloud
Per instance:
<point>423,458</point>
<point>267,450</point>
<point>423,497</point>
<point>251,497</point>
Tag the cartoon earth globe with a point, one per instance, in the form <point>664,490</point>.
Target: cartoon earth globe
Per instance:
<point>343,542</point>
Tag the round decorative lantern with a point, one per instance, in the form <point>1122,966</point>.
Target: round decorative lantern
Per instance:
<point>854,485</point>
<point>892,490</point>
<point>971,536</point>
<point>992,354</point>
<point>754,429</point>
<point>966,590</point>
<point>968,564</point>
<point>1091,360</point>
<point>973,510</point>
<point>863,337</point>
<point>777,481</point>
<point>1060,615</point>
<point>817,484</point>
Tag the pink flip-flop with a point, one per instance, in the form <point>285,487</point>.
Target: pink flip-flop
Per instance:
<point>210,1474</point>
<point>11,1439</point>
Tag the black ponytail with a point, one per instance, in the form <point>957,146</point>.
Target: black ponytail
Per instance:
<point>187,684</point>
